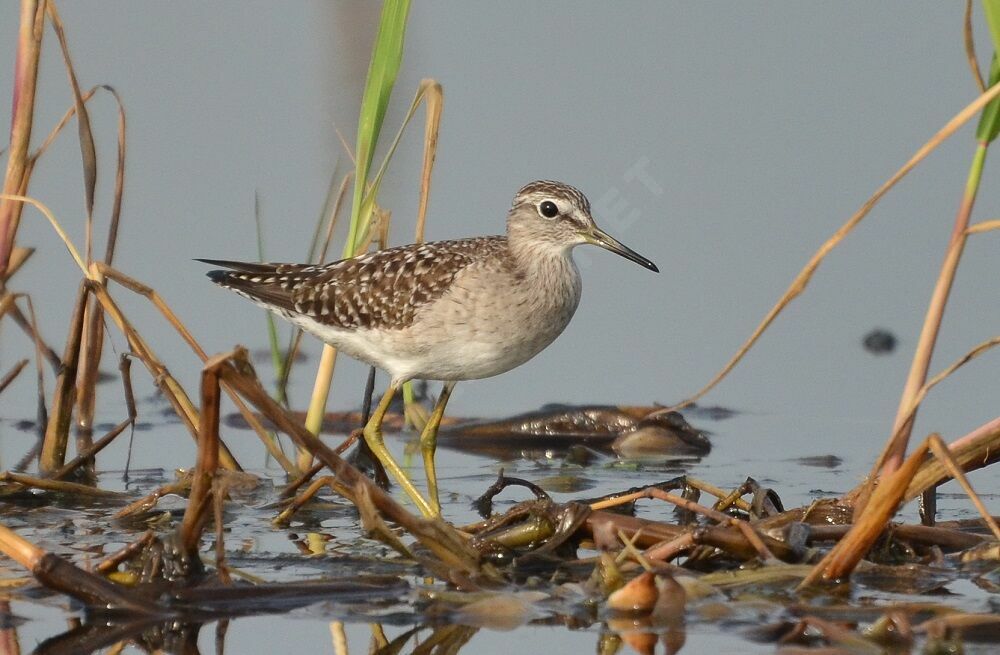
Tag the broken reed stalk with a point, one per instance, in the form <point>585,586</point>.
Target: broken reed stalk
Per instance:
<point>12,374</point>
<point>724,519</point>
<point>105,271</point>
<point>60,575</point>
<point>17,259</point>
<point>19,549</point>
<point>940,451</point>
<point>86,455</point>
<point>196,513</point>
<point>58,486</point>
<point>173,391</point>
<point>884,502</point>
<point>53,454</point>
<point>439,538</point>
<point>801,280</point>
<point>977,449</point>
<point>29,46</point>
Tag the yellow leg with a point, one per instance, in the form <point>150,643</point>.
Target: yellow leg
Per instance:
<point>428,444</point>
<point>373,437</point>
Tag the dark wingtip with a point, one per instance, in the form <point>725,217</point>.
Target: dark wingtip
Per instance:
<point>218,276</point>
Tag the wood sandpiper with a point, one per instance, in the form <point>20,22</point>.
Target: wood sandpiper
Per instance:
<point>447,310</point>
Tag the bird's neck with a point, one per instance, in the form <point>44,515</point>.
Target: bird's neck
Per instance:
<point>542,261</point>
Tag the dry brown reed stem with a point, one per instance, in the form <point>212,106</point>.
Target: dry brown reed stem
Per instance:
<point>208,457</point>
<point>12,374</point>
<point>752,537</point>
<point>53,454</point>
<point>948,539</point>
<point>798,285</point>
<point>29,46</point>
<point>88,454</point>
<point>19,549</point>
<point>45,351</point>
<point>60,575</point>
<point>977,449</point>
<point>161,376</point>
<point>88,154</point>
<point>60,486</point>
<point>6,302</point>
<point>17,259</point>
<point>149,501</point>
<point>295,485</point>
<point>433,94</point>
<point>106,271</point>
<point>903,424</point>
<point>940,451</point>
<point>173,391</point>
<point>10,644</point>
<point>983,226</point>
<point>438,537</point>
<point>93,335</point>
<point>970,47</point>
<point>310,492</point>
<point>885,500</point>
<point>112,561</point>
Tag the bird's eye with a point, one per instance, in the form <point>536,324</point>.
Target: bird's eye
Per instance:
<point>548,209</point>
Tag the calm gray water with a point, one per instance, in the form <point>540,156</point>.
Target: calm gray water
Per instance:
<point>724,141</point>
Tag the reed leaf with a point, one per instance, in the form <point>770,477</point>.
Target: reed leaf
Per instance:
<point>386,58</point>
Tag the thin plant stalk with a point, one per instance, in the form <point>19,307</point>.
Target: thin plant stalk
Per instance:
<point>53,454</point>
<point>29,47</point>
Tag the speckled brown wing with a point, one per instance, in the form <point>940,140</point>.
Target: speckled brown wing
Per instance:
<point>383,289</point>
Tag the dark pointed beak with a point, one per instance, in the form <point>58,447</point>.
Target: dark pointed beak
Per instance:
<point>599,237</point>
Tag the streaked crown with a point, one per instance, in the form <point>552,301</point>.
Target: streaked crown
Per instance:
<point>549,213</point>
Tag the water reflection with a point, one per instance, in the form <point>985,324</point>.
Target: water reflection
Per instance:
<point>622,636</point>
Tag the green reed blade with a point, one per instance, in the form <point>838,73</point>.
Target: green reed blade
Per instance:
<point>989,122</point>
<point>386,58</point>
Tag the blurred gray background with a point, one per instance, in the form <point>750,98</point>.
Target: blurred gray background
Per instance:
<point>725,141</point>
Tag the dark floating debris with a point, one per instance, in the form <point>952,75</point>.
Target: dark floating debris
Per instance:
<point>711,412</point>
<point>879,342</point>
<point>819,461</point>
<point>627,431</point>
